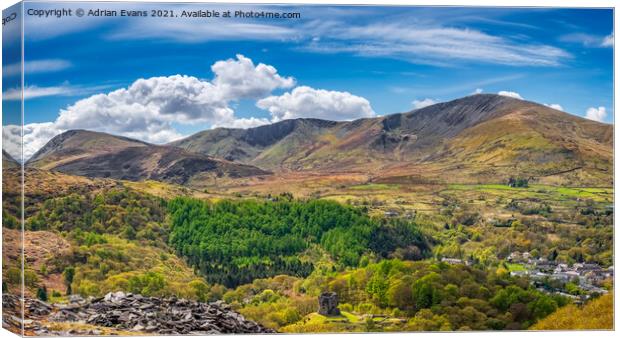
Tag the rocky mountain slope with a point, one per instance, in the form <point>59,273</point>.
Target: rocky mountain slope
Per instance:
<point>95,154</point>
<point>480,136</point>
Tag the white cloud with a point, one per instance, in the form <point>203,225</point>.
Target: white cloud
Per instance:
<point>241,79</point>
<point>45,66</point>
<point>431,45</point>
<point>608,41</point>
<point>427,39</point>
<point>31,92</point>
<point>510,94</point>
<point>65,89</point>
<point>181,29</point>
<point>417,104</point>
<point>202,31</point>
<point>596,114</point>
<point>35,137</point>
<point>11,140</point>
<point>305,101</point>
<point>477,91</point>
<point>36,66</point>
<point>243,123</point>
<point>555,106</point>
<point>149,108</point>
<point>174,98</point>
<point>589,40</point>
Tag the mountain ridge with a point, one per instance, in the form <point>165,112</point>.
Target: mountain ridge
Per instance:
<point>477,138</point>
<point>463,129</point>
<point>97,154</point>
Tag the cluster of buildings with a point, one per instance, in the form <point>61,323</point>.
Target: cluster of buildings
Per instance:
<point>455,261</point>
<point>393,213</point>
<point>552,277</point>
<point>588,276</point>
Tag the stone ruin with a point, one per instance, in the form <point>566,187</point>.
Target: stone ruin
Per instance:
<point>328,304</point>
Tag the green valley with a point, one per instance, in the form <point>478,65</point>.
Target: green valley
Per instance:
<point>464,227</point>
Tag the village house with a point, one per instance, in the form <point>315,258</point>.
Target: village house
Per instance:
<point>455,261</point>
<point>391,214</point>
<point>452,260</point>
<point>519,273</point>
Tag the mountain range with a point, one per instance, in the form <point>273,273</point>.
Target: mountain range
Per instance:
<point>478,138</point>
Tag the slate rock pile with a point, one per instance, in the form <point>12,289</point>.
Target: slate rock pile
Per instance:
<point>12,313</point>
<point>157,315</point>
<point>132,312</point>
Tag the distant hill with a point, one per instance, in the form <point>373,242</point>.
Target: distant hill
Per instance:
<point>481,137</point>
<point>95,154</point>
<point>8,161</point>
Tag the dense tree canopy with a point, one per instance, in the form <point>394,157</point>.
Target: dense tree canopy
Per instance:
<point>235,242</point>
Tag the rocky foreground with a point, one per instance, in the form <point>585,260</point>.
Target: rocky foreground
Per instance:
<point>126,313</point>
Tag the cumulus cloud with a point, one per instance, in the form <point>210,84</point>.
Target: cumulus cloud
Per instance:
<point>11,140</point>
<point>241,79</point>
<point>35,137</point>
<point>417,104</point>
<point>596,114</point>
<point>555,106</point>
<point>148,108</point>
<point>510,94</point>
<point>147,102</point>
<point>608,41</point>
<point>477,91</point>
<point>305,101</point>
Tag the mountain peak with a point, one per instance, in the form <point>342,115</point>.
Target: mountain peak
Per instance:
<point>97,154</point>
<point>471,127</point>
<point>77,141</point>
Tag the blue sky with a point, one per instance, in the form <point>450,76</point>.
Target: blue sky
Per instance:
<point>333,62</point>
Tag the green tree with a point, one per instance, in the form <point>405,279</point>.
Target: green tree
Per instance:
<point>69,274</point>
<point>42,293</point>
<point>425,291</point>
